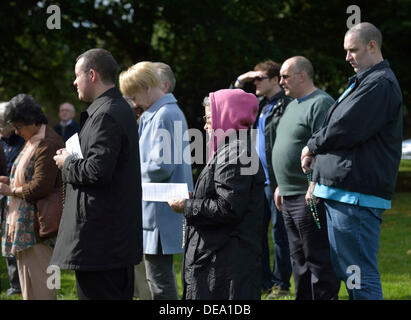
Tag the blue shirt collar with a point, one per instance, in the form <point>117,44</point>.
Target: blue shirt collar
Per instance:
<point>168,98</point>
<point>67,123</point>
<point>305,97</point>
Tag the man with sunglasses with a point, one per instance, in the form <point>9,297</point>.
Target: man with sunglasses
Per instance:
<point>314,277</point>
<point>273,101</point>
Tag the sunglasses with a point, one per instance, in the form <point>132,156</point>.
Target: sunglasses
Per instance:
<point>286,76</point>
<point>260,78</point>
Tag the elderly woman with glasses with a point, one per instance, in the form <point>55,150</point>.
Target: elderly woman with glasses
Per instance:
<point>33,176</point>
<point>222,255</point>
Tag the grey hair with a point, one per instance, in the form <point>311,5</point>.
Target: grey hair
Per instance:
<point>367,32</point>
<point>166,74</point>
<point>206,102</point>
<point>3,106</point>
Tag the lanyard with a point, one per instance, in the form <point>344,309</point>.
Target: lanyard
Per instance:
<point>346,92</point>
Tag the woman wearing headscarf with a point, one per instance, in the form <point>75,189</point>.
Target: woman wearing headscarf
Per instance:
<point>33,176</point>
<point>222,255</point>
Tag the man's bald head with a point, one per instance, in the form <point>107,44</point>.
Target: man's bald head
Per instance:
<point>302,64</point>
<point>66,111</point>
<point>67,106</point>
<point>363,46</point>
<point>296,76</point>
<point>367,32</point>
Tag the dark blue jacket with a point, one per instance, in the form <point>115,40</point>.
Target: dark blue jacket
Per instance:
<point>359,147</point>
<point>68,131</point>
<point>271,123</point>
<point>11,146</point>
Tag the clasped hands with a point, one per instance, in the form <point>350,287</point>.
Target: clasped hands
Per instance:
<point>307,164</point>
<point>60,157</point>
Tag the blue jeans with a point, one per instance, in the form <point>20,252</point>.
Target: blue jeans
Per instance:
<point>282,264</point>
<point>354,234</point>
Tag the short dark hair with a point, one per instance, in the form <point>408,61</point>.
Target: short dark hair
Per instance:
<point>367,32</point>
<point>272,68</point>
<point>24,109</point>
<point>101,61</point>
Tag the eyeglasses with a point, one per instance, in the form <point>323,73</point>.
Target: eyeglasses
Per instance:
<point>286,76</point>
<point>17,126</point>
<point>260,78</point>
<point>206,118</point>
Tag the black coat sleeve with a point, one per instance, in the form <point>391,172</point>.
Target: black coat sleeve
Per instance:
<point>232,191</point>
<point>102,156</point>
<point>368,112</point>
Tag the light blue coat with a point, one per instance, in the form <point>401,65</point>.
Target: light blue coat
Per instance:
<point>161,132</point>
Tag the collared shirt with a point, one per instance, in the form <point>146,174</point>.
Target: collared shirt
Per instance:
<point>355,198</point>
<point>305,97</point>
<point>66,124</point>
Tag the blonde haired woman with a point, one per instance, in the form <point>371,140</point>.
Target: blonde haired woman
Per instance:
<point>162,227</point>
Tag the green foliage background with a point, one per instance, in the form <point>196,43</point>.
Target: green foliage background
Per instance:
<point>207,43</point>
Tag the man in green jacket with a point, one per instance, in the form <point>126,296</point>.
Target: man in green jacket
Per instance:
<point>314,276</point>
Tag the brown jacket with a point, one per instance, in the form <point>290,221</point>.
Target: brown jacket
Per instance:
<point>46,174</point>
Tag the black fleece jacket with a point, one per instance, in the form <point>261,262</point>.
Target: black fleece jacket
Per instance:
<point>359,147</point>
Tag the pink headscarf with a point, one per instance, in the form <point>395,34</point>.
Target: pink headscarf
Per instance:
<point>230,109</point>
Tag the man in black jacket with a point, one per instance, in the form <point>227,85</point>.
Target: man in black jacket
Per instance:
<point>357,155</point>
<point>100,234</point>
<point>273,101</point>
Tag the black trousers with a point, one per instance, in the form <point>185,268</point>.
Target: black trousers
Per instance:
<point>314,276</point>
<point>13,273</point>
<point>117,284</point>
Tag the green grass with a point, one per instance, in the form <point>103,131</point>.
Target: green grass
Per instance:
<point>394,258</point>
<point>405,166</point>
